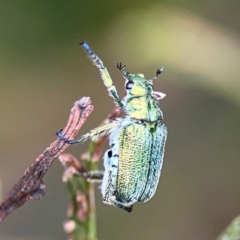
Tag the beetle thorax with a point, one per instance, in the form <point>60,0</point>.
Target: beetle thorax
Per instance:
<point>139,102</point>
<point>143,108</point>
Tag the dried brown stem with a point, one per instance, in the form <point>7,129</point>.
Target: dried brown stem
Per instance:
<point>30,185</point>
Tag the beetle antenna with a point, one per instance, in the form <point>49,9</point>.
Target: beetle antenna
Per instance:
<point>121,68</point>
<point>158,72</point>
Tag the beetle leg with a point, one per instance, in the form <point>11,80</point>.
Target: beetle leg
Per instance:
<point>104,74</point>
<point>129,204</point>
<point>109,202</point>
<point>91,176</point>
<point>113,203</point>
<point>94,133</point>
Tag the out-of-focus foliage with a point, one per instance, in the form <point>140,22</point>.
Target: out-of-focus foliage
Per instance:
<point>43,71</point>
<point>232,231</point>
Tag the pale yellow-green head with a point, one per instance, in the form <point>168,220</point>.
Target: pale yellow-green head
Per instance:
<point>137,85</point>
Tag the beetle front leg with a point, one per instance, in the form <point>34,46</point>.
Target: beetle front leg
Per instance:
<point>104,74</point>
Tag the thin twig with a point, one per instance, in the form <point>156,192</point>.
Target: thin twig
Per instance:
<point>30,185</point>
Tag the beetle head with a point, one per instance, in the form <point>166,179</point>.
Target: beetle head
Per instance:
<point>138,85</point>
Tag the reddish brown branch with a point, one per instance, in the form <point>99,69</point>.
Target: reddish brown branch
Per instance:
<point>30,185</point>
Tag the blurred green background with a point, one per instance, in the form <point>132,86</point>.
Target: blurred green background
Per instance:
<point>43,71</point>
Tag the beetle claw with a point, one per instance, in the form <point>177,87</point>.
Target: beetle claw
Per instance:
<point>59,134</point>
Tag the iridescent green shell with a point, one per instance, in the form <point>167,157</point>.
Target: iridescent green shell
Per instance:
<point>133,164</point>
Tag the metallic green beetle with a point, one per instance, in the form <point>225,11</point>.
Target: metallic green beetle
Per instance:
<point>137,142</point>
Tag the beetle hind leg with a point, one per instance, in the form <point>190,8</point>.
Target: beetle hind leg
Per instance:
<point>94,176</point>
<point>127,209</point>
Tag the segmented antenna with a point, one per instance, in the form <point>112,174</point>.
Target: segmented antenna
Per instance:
<point>158,72</point>
<point>121,68</point>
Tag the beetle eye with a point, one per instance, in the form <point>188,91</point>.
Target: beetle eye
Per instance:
<point>129,85</point>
